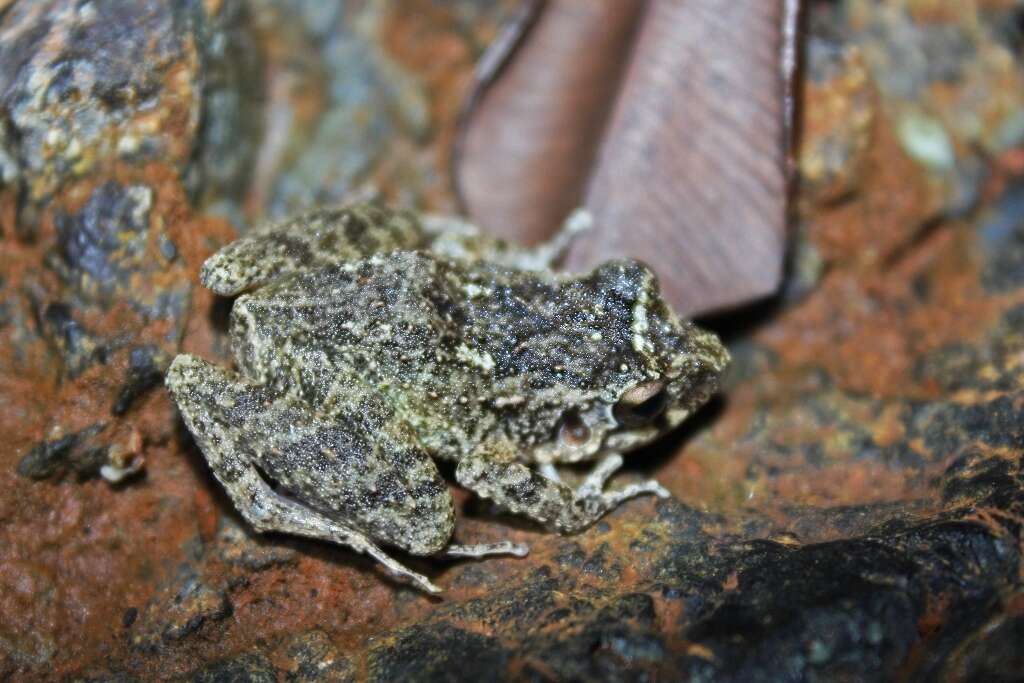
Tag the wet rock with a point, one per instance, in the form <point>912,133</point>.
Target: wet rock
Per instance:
<point>428,652</point>
<point>251,667</point>
<point>83,85</point>
<point>24,643</point>
<point>992,653</point>
<point>608,643</point>
<point>976,478</point>
<point>192,606</point>
<point>104,105</point>
<point>358,75</point>
<point>814,611</point>
<point>107,250</point>
<point>233,89</point>
<point>311,657</point>
<point>520,606</point>
<point>241,546</point>
<point>1001,236</point>
<point>78,348</point>
<point>996,423</point>
<point>104,678</point>
<point>571,555</point>
<point>912,53</point>
<point>835,144</point>
<point>849,510</point>
<point>82,452</point>
<point>183,608</point>
<point>145,372</point>
<point>103,245</point>
<point>602,563</point>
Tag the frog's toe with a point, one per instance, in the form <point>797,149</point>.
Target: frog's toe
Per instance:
<point>487,549</point>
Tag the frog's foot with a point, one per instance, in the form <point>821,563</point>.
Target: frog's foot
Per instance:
<point>486,550</point>
<point>521,490</point>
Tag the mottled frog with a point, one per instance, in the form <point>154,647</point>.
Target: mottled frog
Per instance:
<point>370,342</point>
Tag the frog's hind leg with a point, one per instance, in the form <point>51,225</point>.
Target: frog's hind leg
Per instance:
<point>549,253</point>
<point>460,239</point>
<point>522,490</point>
<point>312,240</point>
<point>269,511</point>
<point>218,409</point>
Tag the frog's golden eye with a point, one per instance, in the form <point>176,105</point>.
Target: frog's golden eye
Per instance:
<point>573,431</point>
<point>641,404</point>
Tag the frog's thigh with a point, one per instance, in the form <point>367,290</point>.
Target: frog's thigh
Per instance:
<point>362,468</point>
<point>266,510</point>
<point>522,490</point>
<point>218,411</point>
<point>372,474</point>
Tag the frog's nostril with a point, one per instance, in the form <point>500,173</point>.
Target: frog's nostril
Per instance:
<point>641,404</point>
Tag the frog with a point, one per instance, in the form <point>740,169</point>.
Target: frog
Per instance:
<point>371,344</point>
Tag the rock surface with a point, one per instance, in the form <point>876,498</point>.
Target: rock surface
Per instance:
<point>851,508</point>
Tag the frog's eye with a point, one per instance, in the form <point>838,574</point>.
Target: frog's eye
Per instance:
<point>573,431</point>
<point>641,404</point>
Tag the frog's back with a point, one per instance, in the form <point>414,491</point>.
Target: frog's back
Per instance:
<point>381,316</point>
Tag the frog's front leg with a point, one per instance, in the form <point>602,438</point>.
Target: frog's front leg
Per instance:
<point>522,490</point>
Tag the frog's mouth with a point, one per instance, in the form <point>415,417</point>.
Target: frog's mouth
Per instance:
<point>642,414</point>
<point>649,410</point>
<point>629,438</point>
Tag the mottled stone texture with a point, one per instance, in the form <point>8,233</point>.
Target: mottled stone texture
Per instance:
<point>851,509</point>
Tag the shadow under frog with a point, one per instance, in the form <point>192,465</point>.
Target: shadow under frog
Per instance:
<point>371,342</point>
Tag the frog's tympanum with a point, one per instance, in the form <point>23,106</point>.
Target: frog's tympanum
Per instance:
<point>369,343</point>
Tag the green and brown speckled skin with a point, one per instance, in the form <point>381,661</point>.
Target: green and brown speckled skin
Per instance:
<point>359,361</point>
